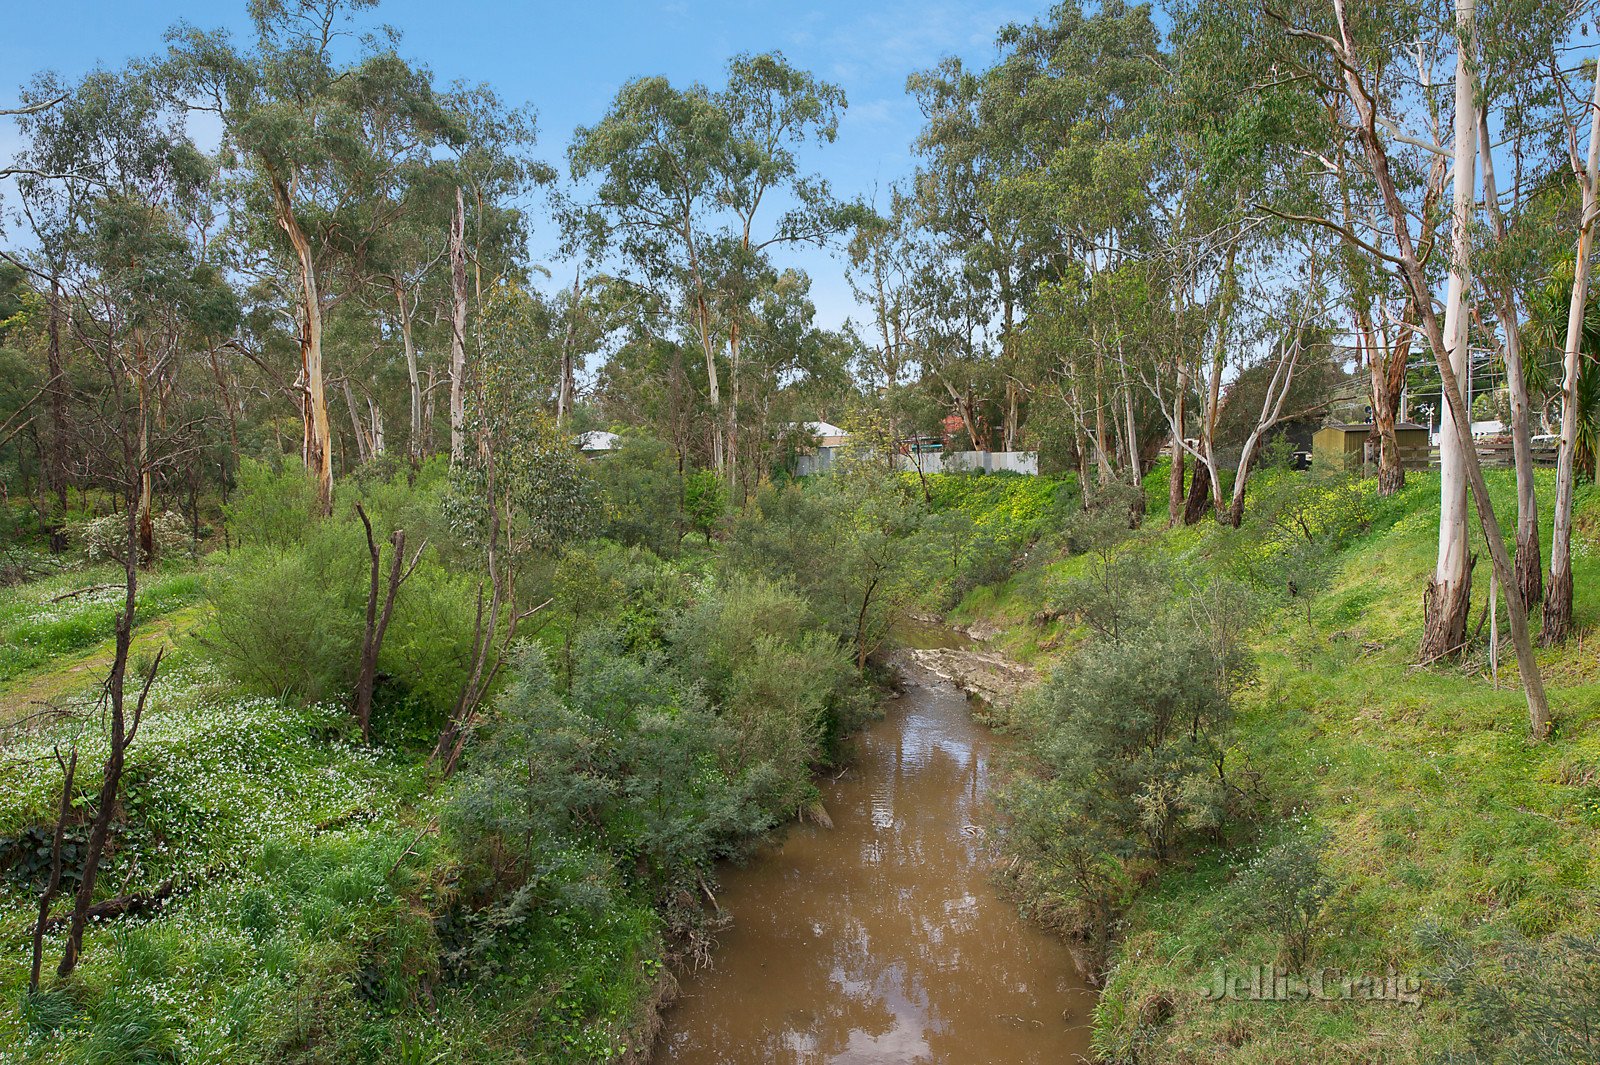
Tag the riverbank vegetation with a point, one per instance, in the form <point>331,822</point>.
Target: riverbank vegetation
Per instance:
<point>1281,785</point>
<point>282,886</point>
<point>396,630</point>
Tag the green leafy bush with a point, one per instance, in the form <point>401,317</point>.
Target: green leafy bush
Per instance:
<point>1287,887</point>
<point>642,495</point>
<point>289,609</point>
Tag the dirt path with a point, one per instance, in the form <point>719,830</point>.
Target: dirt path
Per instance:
<point>71,676</point>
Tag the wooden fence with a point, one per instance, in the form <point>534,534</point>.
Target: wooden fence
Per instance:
<point>1497,454</point>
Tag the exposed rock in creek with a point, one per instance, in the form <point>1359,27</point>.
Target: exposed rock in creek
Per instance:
<point>990,676</point>
<point>979,630</point>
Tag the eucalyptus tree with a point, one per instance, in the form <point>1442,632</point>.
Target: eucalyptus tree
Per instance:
<point>793,370</point>
<point>309,139</point>
<point>1297,340</point>
<point>1586,169</point>
<point>400,278</point>
<point>1518,42</point>
<point>519,492</point>
<point>125,192</point>
<point>881,273</point>
<point>685,185</point>
<point>1352,56</point>
<point>1399,97</point>
<point>982,241</point>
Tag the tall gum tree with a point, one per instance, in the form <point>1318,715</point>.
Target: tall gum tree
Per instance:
<point>298,123</point>
<point>684,184</point>
<point>1341,46</point>
<point>1449,595</point>
<point>1558,593</point>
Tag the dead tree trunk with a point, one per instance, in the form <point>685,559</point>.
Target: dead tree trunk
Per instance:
<point>69,769</point>
<point>123,731</point>
<point>378,620</point>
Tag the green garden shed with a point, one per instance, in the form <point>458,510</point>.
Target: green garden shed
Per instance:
<point>1353,446</point>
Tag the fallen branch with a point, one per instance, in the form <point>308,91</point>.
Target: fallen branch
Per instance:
<point>129,905</point>
<point>84,591</point>
<point>412,846</point>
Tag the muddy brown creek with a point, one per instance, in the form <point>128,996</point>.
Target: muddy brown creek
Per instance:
<point>882,939</point>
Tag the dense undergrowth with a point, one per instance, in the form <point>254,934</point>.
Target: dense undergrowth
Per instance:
<point>1330,809</point>
<point>322,899</point>
<point>1236,765</point>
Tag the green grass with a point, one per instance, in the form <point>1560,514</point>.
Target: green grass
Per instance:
<point>310,878</point>
<point>1438,810</point>
<point>37,627</point>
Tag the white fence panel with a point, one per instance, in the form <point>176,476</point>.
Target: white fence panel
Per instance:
<point>1026,462</point>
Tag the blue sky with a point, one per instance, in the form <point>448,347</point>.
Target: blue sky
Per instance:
<point>568,60</point>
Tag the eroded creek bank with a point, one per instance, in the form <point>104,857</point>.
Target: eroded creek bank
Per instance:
<point>882,939</point>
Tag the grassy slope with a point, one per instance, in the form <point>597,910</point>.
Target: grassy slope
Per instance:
<point>45,628</point>
<point>1438,809</point>
<point>307,875</point>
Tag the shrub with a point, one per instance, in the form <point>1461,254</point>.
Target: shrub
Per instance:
<point>642,494</point>
<point>790,692</point>
<point>630,768</point>
<point>287,619</point>
<point>1287,887</point>
<point>1524,1001</point>
<point>105,538</point>
<point>1124,765</point>
<point>273,506</point>
<point>284,621</point>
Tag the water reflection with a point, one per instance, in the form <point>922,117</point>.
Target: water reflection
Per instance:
<point>881,940</point>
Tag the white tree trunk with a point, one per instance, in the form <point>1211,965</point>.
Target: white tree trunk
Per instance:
<point>414,443</point>
<point>1558,596</point>
<point>1449,595</point>
<point>458,331</point>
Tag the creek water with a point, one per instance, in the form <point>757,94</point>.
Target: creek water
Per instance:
<point>882,940</point>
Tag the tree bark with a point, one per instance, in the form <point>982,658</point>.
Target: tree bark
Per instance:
<point>316,448</point>
<point>458,331</point>
<point>378,620</point>
<point>123,732</point>
<point>147,529</point>
<point>564,394</point>
<point>1199,500</point>
<point>1386,370</point>
<point>56,452</point>
<point>1530,566</point>
<point>1175,478</point>
<point>363,445</point>
<point>1449,595</point>
<point>414,448</point>
<point>69,770</point>
<point>1558,594</point>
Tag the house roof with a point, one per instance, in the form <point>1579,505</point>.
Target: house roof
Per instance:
<point>597,440</point>
<point>823,429</point>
